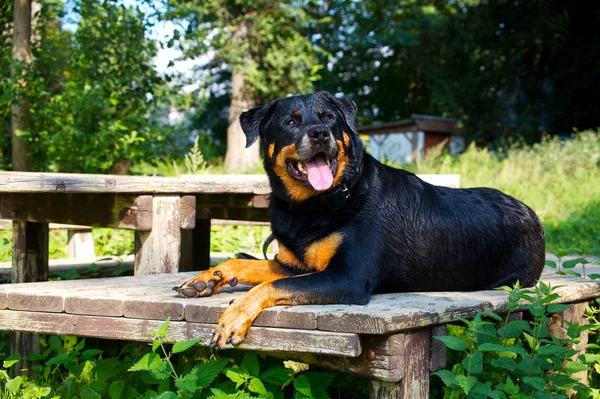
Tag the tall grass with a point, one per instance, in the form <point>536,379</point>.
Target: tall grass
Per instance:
<point>559,179</point>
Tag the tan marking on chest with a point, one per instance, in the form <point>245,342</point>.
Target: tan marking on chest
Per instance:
<point>318,254</point>
<point>286,257</point>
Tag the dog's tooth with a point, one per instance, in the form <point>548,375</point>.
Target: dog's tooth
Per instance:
<point>301,167</point>
<point>328,162</point>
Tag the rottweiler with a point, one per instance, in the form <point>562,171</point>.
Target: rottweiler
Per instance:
<point>349,226</point>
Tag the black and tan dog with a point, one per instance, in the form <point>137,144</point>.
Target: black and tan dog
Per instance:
<point>348,226</point>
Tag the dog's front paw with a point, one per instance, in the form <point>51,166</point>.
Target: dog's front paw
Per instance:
<point>233,325</point>
<point>205,284</point>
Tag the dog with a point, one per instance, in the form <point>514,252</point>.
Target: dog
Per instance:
<point>349,226</point>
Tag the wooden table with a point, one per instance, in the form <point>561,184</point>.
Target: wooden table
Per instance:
<point>388,340</point>
<point>163,212</point>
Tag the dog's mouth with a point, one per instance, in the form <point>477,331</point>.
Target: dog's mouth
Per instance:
<point>318,171</point>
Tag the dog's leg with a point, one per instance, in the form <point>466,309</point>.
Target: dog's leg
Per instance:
<point>232,272</point>
<point>316,288</point>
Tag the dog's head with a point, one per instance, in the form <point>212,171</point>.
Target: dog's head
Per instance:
<point>310,144</point>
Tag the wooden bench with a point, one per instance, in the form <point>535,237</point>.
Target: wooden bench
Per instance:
<point>388,340</point>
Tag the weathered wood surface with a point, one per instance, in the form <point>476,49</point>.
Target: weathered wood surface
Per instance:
<point>157,250</point>
<point>29,182</point>
<point>151,297</point>
<point>127,211</point>
<point>271,339</point>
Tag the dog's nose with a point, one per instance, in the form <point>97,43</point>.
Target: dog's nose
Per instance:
<point>319,135</point>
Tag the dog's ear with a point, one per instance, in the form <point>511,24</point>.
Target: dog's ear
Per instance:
<point>346,106</point>
<point>250,121</point>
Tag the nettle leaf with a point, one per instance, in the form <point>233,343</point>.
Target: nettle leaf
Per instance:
<point>558,307</point>
<point>466,383</point>
<point>504,363</point>
<point>88,393</point>
<point>302,385</point>
<point>89,353</point>
<point>187,383</point>
<point>473,363</point>
<point>207,372</point>
<point>575,367</point>
<point>490,347</point>
<point>276,375</point>
<point>535,382</point>
<point>10,361</point>
<point>550,263</point>
<point>448,378</point>
<point>152,363</point>
<point>108,368</point>
<point>184,345</point>
<point>453,343</point>
<point>250,364</point>
<point>116,389</point>
<point>218,394</point>
<point>14,385</point>
<point>590,358</point>
<point>548,350</point>
<point>58,359</point>
<point>236,376</point>
<point>255,385</point>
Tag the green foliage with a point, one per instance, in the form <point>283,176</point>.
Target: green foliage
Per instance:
<point>67,369</point>
<point>501,358</point>
<point>487,62</point>
<point>557,178</point>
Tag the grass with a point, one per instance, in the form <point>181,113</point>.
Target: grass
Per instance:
<point>560,180</point>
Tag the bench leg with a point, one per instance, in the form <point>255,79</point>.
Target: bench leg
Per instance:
<point>195,247</point>
<point>415,382</point>
<point>29,264</point>
<point>157,251</point>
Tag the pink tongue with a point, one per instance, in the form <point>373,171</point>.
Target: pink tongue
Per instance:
<point>319,174</point>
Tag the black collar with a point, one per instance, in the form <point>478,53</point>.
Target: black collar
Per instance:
<point>323,202</point>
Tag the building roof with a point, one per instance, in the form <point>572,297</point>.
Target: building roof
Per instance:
<point>416,123</point>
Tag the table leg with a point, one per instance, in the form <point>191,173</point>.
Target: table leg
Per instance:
<point>195,247</point>
<point>29,264</point>
<point>415,381</point>
<point>157,251</point>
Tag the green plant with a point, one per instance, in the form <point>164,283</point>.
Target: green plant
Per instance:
<point>194,160</point>
<point>504,358</point>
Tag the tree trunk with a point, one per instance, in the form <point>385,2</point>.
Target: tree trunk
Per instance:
<point>238,158</point>
<point>21,53</point>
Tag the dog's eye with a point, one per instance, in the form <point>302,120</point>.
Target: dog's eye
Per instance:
<point>291,122</point>
<point>328,117</point>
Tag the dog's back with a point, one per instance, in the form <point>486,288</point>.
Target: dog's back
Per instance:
<point>437,238</point>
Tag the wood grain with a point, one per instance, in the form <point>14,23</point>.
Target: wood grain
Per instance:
<point>157,251</point>
<point>289,340</point>
<point>28,182</point>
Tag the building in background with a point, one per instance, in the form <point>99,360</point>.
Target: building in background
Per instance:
<point>408,140</point>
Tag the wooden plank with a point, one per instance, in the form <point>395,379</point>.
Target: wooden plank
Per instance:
<point>251,214</point>
<point>289,340</point>
<point>157,251</point>
<point>390,313</point>
<point>117,211</point>
<point>28,182</point>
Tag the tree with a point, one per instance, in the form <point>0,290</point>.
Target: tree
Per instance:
<point>21,65</point>
<point>261,44</point>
